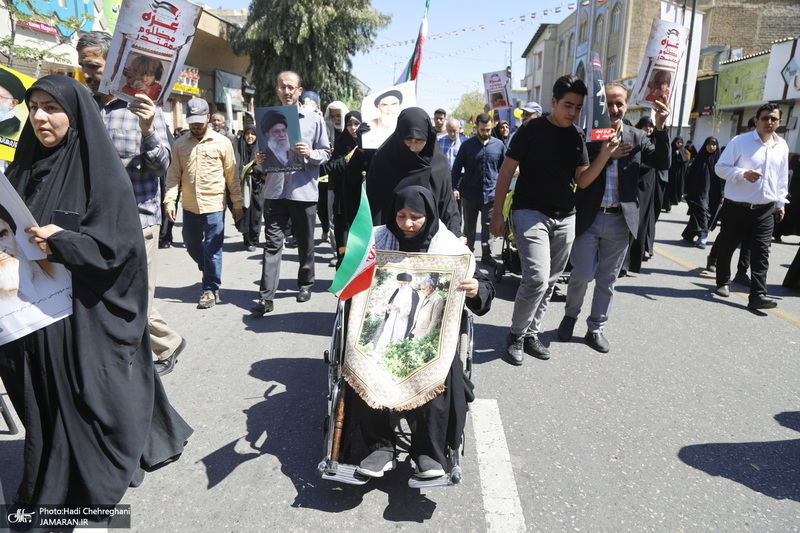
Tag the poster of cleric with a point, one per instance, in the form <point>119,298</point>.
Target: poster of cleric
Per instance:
<point>663,56</point>
<point>33,291</point>
<point>278,130</point>
<point>149,47</point>
<point>403,331</point>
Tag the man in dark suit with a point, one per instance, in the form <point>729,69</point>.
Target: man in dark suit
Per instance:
<point>607,211</point>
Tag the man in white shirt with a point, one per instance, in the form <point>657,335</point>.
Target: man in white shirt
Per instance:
<point>755,166</point>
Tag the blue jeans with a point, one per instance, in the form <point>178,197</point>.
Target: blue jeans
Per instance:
<point>544,244</point>
<point>203,236</point>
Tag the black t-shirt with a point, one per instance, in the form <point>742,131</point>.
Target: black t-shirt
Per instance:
<point>548,157</point>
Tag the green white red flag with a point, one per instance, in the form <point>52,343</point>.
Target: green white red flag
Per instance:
<point>358,265</point>
<point>411,70</point>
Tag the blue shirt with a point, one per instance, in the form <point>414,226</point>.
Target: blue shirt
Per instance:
<point>144,158</point>
<point>302,185</point>
<point>450,148</point>
<point>481,164</point>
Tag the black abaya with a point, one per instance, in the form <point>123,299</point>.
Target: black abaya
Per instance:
<point>92,404</point>
<point>395,167</point>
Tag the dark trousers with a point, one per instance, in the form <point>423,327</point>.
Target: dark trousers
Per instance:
<point>279,213</point>
<point>470,216</point>
<point>744,258</point>
<point>250,224</point>
<point>753,228</point>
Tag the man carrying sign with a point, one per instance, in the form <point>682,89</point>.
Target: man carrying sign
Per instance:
<point>607,211</point>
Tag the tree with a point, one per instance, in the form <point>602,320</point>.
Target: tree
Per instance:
<point>39,52</point>
<point>470,105</point>
<point>315,38</point>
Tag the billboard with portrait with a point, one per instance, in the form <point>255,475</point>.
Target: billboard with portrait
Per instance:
<point>13,110</point>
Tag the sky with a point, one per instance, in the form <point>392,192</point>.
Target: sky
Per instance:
<point>454,64</point>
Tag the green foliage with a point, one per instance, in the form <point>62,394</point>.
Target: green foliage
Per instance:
<point>315,38</point>
<point>371,325</point>
<point>470,105</point>
<point>39,51</point>
<point>404,356</point>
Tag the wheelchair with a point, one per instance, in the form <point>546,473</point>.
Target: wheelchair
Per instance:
<point>331,467</point>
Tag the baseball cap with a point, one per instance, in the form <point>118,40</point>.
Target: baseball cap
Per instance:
<point>196,111</point>
<point>532,107</point>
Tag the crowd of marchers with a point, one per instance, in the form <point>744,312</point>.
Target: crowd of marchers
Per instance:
<point>88,388</point>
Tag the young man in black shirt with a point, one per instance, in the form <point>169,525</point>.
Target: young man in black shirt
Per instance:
<point>551,155</point>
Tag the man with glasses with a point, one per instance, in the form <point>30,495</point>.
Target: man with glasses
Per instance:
<point>529,110</point>
<point>755,166</point>
<point>292,196</point>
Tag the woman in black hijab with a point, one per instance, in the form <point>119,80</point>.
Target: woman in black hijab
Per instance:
<point>415,227</point>
<point>502,131</point>
<point>250,223</point>
<point>346,169</point>
<point>677,174</point>
<point>87,391</point>
<point>411,156</point>
<point>703,193</point>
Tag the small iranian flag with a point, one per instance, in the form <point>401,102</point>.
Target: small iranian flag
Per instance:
<point>586,3</point>
<point>358,266</point>
<point>570,6</point>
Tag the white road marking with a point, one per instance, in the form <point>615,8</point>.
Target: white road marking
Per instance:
<point>498,486</point>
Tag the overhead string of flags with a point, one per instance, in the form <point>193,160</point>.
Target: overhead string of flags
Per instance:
<point>513,20</point>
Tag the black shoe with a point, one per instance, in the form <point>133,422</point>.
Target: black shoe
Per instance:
<point>759,301</point>
<point>251,248</point>
<point>263,306</point>
<point>165,244</point>
<point>622,273</point>
<point>598,341</point>
<point>742,279</point>
<point>533,346</point>
<point>514,353</point>
<point>566,328</point>
<point>711,264</point>
<point>165,366</point>
<point>376,463</point>
<point>723,290</point>
<point>428,467</point>
<point>304,295</point>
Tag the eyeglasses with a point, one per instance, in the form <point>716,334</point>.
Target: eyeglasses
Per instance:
<point>768,118</point>
<point>287,88</point>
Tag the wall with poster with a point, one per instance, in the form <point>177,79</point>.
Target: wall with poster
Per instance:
<point>741,83</point>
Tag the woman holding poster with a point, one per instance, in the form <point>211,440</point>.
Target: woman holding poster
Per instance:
<point>437,422</point>
<point>94,410</point>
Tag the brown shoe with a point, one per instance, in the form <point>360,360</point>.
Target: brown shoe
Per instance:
<point>207,300</point>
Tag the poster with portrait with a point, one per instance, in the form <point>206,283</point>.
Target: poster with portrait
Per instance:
<point>403,332</point>
<point>497,86</point>
<point>278,130</point>
<point>662,58</point>
<point>149,47</point>
<point>597,111</point>
<point>380,110</point>
<point>13,110</point>
<point>33,291</point>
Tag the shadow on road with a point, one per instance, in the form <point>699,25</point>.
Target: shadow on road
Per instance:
<point>287,424</point>
<point>771,468</point>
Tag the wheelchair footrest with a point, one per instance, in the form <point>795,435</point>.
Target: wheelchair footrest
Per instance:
<point>346,474</point>
<point>447,480</point>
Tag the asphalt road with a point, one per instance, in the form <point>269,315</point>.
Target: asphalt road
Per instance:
<point>690,423</point>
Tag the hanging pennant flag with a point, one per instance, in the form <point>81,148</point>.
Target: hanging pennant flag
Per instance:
<point>586,3</point>
<point>358,265</point>
<point>558,9</point>
<point>601,1</point>
<point>411,69</point>
<point>533,15</point>
<point>570,6</point>
<point>545,13</point>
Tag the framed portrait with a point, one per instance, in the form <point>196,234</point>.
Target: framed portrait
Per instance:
<point>403,331</point>
<point>278,130</point>
<point>33,291</point>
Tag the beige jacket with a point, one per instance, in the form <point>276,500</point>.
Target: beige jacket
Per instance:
<point>202,168</point>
